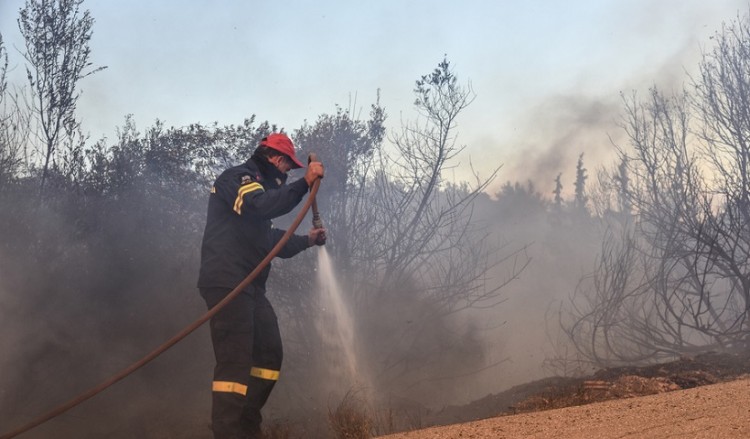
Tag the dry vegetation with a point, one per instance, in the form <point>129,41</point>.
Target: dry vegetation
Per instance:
<point>350,420</point>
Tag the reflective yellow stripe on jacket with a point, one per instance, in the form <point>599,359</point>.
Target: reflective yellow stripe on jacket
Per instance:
<point>244,190</point>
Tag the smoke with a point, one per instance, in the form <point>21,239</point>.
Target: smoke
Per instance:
<point>554,133</point>
<point>548,136</point>
<point>82,296</point>
<point>86,293</point>
<point>545,133</point>
<point>508,344</point>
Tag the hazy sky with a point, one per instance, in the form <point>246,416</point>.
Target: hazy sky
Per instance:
<point>547,74</point>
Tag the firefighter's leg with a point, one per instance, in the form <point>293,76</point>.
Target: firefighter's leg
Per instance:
<point>267,356</point>
<point>232,337</point>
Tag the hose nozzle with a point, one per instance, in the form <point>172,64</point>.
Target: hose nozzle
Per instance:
<point>316,221</point>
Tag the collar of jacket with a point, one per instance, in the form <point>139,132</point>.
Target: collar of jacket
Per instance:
<point>271,174</point>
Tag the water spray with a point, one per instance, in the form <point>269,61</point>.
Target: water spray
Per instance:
<point>336,322</point>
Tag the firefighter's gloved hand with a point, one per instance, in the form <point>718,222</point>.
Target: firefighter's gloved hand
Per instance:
<point>314,171</point>
<point>316,237</point>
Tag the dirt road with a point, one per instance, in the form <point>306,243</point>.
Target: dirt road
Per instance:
<point>716,411</point>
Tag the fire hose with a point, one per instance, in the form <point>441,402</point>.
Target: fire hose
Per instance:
<point>188,329</point>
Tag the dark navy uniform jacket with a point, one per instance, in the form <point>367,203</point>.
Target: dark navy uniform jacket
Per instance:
<point>239,233</point>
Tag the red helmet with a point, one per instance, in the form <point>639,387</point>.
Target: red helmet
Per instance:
<point>283,144</point>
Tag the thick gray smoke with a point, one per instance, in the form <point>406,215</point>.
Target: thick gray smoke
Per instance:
<point>83,297</point>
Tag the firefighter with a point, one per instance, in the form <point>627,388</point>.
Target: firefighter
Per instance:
<point>238,235</point>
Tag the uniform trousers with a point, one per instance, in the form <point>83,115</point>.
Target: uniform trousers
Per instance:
<point>247,346</point>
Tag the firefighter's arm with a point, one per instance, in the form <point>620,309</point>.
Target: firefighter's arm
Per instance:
<point>248,198</point>
<point>294,245</point>
<point>298,243</point>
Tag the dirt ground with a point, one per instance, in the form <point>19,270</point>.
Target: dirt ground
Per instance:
<point>703,397</point>
<point>710,412</point>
